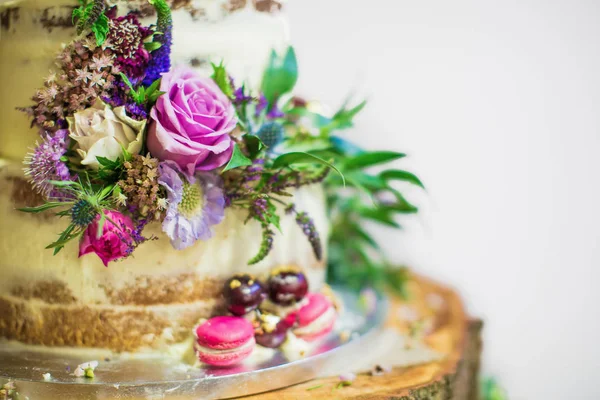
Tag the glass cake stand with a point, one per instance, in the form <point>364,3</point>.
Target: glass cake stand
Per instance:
<point>153,378</point>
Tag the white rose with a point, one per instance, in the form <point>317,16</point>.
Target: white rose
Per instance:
<point>101,131</point>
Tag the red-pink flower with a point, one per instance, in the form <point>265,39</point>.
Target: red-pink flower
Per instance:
<point>116,241</point>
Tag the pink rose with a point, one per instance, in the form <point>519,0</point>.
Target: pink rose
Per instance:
<point>114,243</point>
<point>191,122</point>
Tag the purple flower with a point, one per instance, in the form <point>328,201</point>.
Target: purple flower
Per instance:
<point>195,204</point>
<point>44,164</point>
<point>240,97</point>
<point>275,112</point>
<point>262,104</point>
<point>191,122</point>
<point>126,36</point>
<point>161,58</point>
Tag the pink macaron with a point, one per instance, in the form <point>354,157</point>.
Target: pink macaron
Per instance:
<point>224,341</point>
<point>315,319</point>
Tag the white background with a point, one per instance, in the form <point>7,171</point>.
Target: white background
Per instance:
<point>497,104</point>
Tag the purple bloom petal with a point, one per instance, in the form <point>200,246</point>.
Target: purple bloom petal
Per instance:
<point>195,204</point>
<point>44,164</point>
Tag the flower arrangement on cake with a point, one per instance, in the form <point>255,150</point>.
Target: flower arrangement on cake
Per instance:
<point>127,139</point>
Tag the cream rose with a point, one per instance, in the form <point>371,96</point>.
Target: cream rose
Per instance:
<point>101,131</point>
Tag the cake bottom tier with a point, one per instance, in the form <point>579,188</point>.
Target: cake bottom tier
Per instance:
<point>148,300</point>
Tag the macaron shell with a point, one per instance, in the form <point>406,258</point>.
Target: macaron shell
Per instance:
<point>224,333</point>
<point>227,357</point>
<point>318,335</point>
<point>316,306</point>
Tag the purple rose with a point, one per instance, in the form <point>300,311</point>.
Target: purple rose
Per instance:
<point>191,122</point>
<point>116,240</point>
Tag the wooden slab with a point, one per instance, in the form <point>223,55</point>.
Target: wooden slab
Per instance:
<point>443,325</point>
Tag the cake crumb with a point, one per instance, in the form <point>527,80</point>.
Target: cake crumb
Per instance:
<point>86,369</point>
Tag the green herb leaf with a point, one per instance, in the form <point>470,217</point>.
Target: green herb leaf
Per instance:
<point>381,215</point>
<point>280,76</point>
<point>253,144</point>
<point>101,223</point>
<point>400,175</point>
<point>343,118</point>
<point>221,78</point>
<point>64,183</point>
<point>105,192</point>
<point>238,159</point>
<point>401,205</point>
<point>108,163</point>
<point>42,208</point>
<point>100,29</point>
<point>152,46</point>
<point>299,157</point>
<point>369,182</point>
<point>371,158</point>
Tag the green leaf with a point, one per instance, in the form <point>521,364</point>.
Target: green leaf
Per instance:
<point>221,78</point>
<point>77,13</point>
<point>41,208</point>
<point>400,175</point>
<point>401,205</point>
<point>108,163</point>
<point>363,235</point>
<point>100,29</point>
<point>280,76</point>
<point>152,46</point>
<point>369,182</point>
<point>64,183</point>
<point>299,157</point>
<point>253,144</point>
<point>101,223</point>
<point>105,192</point>
<point>381,215</point>
<point>344,116</point>
<point>316,119</point>
<point>238,159</point>
<point>371,158</point>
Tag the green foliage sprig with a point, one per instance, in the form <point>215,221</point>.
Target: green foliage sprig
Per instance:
<point>82,203</point>
<point>91,16</point>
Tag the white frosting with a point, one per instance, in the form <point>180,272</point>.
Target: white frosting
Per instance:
<point>23,238</point>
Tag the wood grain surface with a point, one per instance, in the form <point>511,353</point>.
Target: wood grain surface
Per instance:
<point>443,325</point>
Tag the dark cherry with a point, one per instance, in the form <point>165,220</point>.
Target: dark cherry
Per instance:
<point>287,286</point>
<point>243,294</point>
<point>272,338</point>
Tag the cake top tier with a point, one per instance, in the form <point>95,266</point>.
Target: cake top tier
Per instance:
<point>171,114</point>
<point>32,32</point>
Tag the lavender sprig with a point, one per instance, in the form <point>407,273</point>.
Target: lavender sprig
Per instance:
<point>309,229</point>
<point>161,58</point>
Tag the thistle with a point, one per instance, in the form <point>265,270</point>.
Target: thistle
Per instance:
<point>83,206</point>
<point>46,163</point>
<point>161,58</point>
<point>271,134</point>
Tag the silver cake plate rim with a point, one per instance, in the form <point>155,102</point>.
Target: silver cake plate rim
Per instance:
<point>328,357</point>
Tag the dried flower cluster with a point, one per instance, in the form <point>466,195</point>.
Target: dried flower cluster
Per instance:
<point>85,73</point>
<point>140,190</point>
